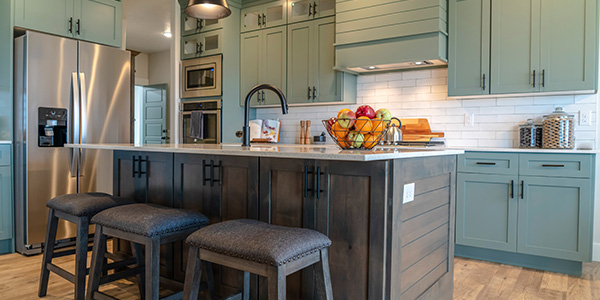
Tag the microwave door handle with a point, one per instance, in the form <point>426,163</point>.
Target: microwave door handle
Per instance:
<point>74,126</point>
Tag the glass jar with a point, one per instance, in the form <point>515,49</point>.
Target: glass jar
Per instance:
<point>530,135</point>
<point>558,130</point>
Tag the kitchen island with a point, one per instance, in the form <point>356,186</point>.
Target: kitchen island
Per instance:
<point>389,213</point>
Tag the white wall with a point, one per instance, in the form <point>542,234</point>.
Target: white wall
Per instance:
<point>159,67</point>
<point>141,69</point>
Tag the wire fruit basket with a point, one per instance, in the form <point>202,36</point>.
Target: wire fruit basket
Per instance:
<point>357,134</point>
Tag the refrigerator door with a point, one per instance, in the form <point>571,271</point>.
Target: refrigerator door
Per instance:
<point>48,63</point>
<point>104,74</point>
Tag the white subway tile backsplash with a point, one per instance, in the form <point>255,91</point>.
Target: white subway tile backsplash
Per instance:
<point>423,93</point>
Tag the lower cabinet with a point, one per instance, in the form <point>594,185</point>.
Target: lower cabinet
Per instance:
<point>6,210</point>
<point>548,215</point>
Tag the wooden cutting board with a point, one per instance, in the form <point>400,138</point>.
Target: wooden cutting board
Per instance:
<point>418,130</point>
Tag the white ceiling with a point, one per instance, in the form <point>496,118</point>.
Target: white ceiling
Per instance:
<point>145,22</point>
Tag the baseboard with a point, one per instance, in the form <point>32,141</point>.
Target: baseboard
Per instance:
<point>596,252</point>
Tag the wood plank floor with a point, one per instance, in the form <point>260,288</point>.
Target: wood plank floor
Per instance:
<point>473,279</point>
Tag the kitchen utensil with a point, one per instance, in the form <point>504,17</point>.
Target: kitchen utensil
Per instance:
<point>558,130</point>
<point>394,133</point>
<point>530,135</point>
<point>302,132</point>
<point>307,133</point>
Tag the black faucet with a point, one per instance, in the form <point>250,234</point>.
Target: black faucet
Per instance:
<point>284,107</point>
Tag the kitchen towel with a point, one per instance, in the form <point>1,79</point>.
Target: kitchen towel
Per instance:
<point>197,125</point>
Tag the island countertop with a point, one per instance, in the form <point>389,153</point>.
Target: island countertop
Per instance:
<point>325,152</point>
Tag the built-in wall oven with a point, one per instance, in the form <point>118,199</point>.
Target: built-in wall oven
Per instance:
<point>210,121</point>
<point>201,77</point>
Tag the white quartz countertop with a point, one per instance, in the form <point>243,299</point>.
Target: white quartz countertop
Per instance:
<point>490,149</point>
<point>324,152</point>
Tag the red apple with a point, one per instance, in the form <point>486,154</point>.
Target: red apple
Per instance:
<point>383,114</point>
<point>346,118</point>
<point>331,121</point>
<point>355,139</point>
<point>365,111</point>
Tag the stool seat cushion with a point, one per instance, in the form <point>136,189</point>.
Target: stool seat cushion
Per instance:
<point>85,204</point>
<point>150,219</point>
<point>258,241</point>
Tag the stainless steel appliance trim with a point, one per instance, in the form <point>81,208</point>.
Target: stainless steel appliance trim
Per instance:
<point>208,112</point>
<point>198,63</point>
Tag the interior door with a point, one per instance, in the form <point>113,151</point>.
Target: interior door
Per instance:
<point>155,114</point>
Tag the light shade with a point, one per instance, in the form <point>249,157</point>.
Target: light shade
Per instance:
<point>208,9</point>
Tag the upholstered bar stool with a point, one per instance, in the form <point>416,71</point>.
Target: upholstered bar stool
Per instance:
<point>77,209</point>
<point>142,224</point>
<point>259,248</point>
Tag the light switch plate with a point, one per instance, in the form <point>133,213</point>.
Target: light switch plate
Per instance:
<point>409,193</point>
<point>585,118</point>
<point>469,120</point>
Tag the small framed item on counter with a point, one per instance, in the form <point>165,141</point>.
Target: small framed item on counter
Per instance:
<point>264,131</point>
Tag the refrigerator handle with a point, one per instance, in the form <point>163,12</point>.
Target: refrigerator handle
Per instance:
<point>83,119</point>
<point>74,125</point>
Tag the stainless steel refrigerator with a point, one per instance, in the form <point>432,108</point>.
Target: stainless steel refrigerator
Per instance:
<point>66,91</point>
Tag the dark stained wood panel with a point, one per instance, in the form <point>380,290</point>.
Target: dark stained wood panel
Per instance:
<point>419,270</point>
<point>420,248</point>
<point>416,291</point>
<point>420,225</point>
<point>425,202</point>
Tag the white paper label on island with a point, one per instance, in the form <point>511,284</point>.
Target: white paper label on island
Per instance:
<point>409,193</point>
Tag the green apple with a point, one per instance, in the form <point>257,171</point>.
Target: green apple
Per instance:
<point>346,119</point>
<point>383,114</point>
<point>355,139</point>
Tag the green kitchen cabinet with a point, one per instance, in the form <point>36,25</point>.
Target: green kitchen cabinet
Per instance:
<point>201,44</point>
<point>264,56</point>
<point>515,46</point>
<point>6,213</point>
<point>469,48</point>
<point>486,211</point>
<point>302,10</point>
<point>268,15</point>
<point>97,21</point>
<point>569,45</point>
<point>311,58</point>
<point>191,25</point>
<point>554,217</point>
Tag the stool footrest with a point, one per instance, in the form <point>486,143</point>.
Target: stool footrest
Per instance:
<point>67,252</point>
<point>119,264</point>
<point>102,296</point>
<point>61,272</point>
<point>129,272</point>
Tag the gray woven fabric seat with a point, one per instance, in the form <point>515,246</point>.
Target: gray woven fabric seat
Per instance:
<point>258,241</point>
<point>149,219</point>
<point>85,204</point>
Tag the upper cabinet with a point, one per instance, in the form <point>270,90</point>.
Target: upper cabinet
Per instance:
<point>201,44</point>
<point>191,25</point>
<point>264,16</point>
<point>97,21</point>
<point>302,10</point>
<point>529,46</point>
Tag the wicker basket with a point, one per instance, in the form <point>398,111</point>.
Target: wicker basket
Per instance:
<point>558,130</point>
<point>371,132</point>
<point>530,135</point>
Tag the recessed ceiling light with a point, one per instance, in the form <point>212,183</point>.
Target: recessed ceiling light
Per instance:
<point>418,63</point>
<point>167,34</point>
<point>372,68</point>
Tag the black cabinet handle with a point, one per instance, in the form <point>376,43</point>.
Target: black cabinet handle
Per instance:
<point>78,26</point>
<point>483,80</point>
<point>263,96</point>
<point>71,25</point>
<point>314,92</point>
<point>315,9</point>
<point>199,24</point>
<point>140,161</point>
<point>511,188</point>
<point>306,189</point>
<point>485,163</point>
<point>264,19</point>
<point>553,166</point>
<point>199,47</point>
<point>133,171</point>
<point>310,9</point>
<point>543,78</point>
<point>533,78</point>
<point>318,185</point>
<point>309,93</point>
<point>259,20</point>
<point>213,179</point>
<point>204,166</point>
<point>522,188</point>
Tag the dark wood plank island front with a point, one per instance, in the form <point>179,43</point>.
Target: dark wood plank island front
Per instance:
<point>382,248</point>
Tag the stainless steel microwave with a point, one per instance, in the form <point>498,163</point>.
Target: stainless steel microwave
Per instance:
<point>201,77</point>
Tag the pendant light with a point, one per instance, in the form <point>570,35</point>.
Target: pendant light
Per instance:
<point>208,9</point>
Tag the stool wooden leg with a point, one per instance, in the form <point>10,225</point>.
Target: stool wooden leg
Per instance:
<point>97,260</point>
<point>81,247</point>
<point>193,275</point>
<point>276,284</point>
<point>48,252</point>
<point>210,280</point>
<point>246,292</point>
<point>152,268</point>
<point>139,257</point>
<point>324,290</point>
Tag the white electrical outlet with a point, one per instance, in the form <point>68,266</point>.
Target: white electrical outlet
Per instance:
<point>469,120</point>
<point>409,193</point>
<point>585,118</point>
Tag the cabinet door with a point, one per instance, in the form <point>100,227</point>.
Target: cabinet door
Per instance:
<point>274,61</point>
<point>325,8</point>
<point>274,13</point>
<point>126,182</point>
<point>54,17</point>
<point>469,48</point>
<point>300,10</point>
<point>515,46</point>
<point>327,83</point>
<point>6,203</point>
<point>287,199</point>
<point>555,218</point>
<point>202,44</point>
<point>191,25</point>
<point>486,211</point>
<point>250,65</point>
<point>251,18</point>
<point>99,21</point>
<point>351,211</point>
<point>300,46</point>
<point>568,45</point>
<point>158,177</point>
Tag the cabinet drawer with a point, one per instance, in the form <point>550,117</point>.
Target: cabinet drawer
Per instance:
<point>556,165</point>
<point>489,163</point>
<point>5,155</point>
